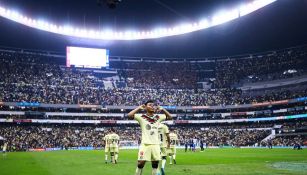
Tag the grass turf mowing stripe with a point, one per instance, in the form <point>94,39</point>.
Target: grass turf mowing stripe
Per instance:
<point>211,161</point>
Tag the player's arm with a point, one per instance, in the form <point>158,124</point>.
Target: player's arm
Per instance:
<point>134,111</point>
<point>168,140</point>
<point>104,141</point>
<point>167,114</point>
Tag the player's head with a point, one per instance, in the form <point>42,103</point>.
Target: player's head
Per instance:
<point>150,106</point>
<point>112,130</point>
<point>172,130</point>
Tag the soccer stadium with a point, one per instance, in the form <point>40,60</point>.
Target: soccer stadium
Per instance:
<point>155,87</point>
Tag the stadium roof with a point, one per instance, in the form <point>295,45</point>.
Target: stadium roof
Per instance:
<point>104,32</point>
<point>281,24</point>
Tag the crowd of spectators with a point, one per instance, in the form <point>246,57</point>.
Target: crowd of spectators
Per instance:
<point>191,97</point>
<point>227,71</point>
<point>57,94</point>
<point>219,136</point>
<point>40,78</point>
<point>155,75</point>
<point>276,65</point>
<point>44,79</point>
<point>24,137</point>
<point>34,78</point>
<point>289,140</point>
<point>293,126</point>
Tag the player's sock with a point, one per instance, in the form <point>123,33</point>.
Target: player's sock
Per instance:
<point>154,171</point>
<point>138,171</point>
<point>106,158</point>
<point>162,166</point>
<point>162,171</point>
<point>116,157</point>
<point>174,158</point>
<point>170,159</point>
<point>163,163</point>
<point>112,159</point>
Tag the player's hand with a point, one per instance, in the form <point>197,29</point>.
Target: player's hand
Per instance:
<point>142,107</point>
<point>159,108</point>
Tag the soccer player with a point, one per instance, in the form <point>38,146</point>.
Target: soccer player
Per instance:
<point>191,144</point>
<point>164,144</point>
<point>172,151</point>
<point>114,142</point>
<point>150,145</point>
<point>201,145</point>
<point>194,144</point>
<point>270,145</point>
<point>4,149</point>
<point>186,144</point>
<point>106,147</point>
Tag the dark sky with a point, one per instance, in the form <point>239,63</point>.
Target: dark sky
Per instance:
<point>279,25</point>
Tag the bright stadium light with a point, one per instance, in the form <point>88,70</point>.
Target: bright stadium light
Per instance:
<point>203,24</point>
<point>15,16</point>
<point>223,17</point>
<point>74,31</point>
<point>2,11</point>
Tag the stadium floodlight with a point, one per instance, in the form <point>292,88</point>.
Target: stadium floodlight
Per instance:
<point>2,11</point>
<point>185,28</point>
<point>225,16</point>
<point>217,19</point>
<point>43,25</point>
<point>203,24</point>
<point>15,15</point>
<point>253,6</point>
<point>67,30</point>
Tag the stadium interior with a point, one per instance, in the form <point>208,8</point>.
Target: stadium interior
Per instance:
<point>255,97</point>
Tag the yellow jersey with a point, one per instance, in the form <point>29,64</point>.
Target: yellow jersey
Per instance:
<point>149,126</point>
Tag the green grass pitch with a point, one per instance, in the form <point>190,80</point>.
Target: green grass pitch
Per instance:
<point>211,161</point>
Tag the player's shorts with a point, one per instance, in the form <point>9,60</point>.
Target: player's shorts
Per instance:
<point>149,152</point>
<point>106,149</point>
<point>163,151</point>
<point>113,149</point>
<point>171,150</point>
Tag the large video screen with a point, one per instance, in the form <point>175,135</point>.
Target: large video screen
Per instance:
<point>87,57</point>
